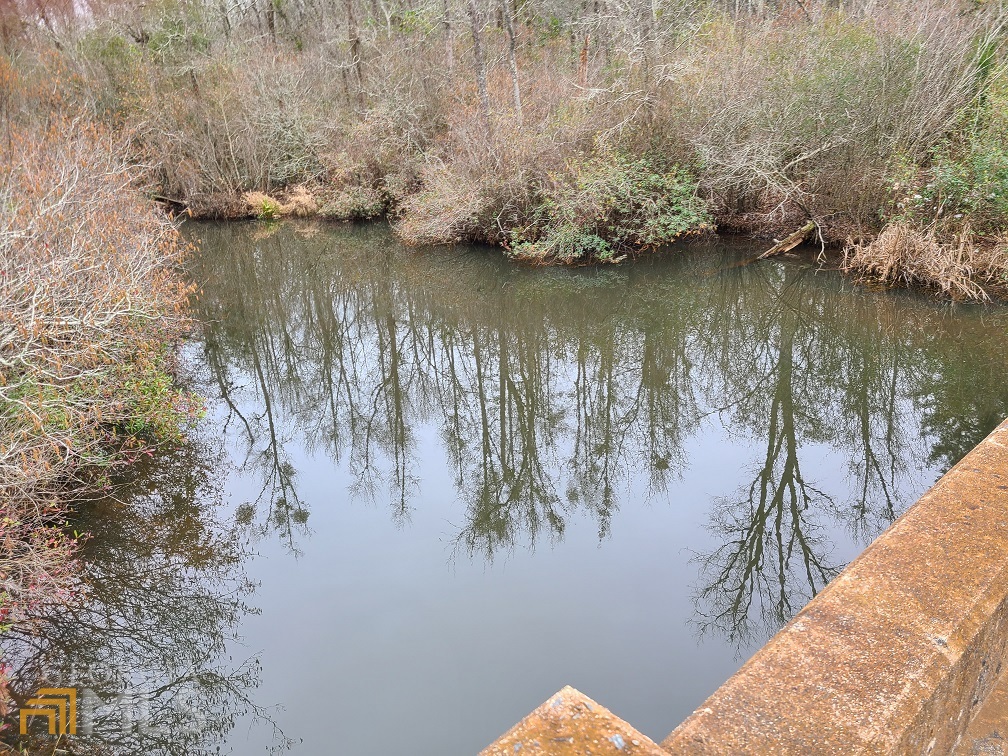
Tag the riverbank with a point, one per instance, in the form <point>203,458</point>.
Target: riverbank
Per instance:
<point>92,304</point>
<point>574,135</point>
<point>952,261</point>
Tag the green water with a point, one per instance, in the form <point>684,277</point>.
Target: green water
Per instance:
<point>434,487</point>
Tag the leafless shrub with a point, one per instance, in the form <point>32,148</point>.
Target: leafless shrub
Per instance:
<point>446,210</point>
<point>89,300</point>
<point>811,116</point>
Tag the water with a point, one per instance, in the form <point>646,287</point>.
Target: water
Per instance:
<point>433,488</point>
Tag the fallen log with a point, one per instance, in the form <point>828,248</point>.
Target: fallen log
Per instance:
<point>790,242</point>
<point>170,201</point>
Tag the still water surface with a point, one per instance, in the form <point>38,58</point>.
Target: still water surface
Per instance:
<point>433,488</point>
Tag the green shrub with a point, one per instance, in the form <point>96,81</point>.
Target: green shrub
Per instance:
<point>967,180</point>
<point>609,206</point>
<point>268,209</point>
<point>975,185</point>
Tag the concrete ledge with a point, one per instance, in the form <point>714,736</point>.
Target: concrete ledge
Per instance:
<point>570,723</point>
<point>896,655</point>
<point>899,651</point>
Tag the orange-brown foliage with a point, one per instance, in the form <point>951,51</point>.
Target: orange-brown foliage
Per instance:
<point>89,298</point>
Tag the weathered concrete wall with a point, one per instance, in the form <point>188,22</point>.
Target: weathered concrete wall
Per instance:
<point>894,656</point>
<point>986,734</point>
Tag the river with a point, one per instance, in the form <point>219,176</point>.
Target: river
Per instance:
<point>434,487</point>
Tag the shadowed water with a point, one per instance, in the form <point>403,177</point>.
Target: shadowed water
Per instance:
<point>450,484</point>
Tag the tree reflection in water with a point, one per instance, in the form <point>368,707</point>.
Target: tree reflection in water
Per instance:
<point>551,389</point>
<point>147,648</point>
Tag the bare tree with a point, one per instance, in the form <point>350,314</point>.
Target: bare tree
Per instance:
<point>512,61</point>
<point>353,35</point>
<point>479,60</point>
<point>449,40</point>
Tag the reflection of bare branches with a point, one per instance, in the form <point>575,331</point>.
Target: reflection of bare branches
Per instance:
<point>164,593</point>
<point>879,455</point>
<point>505,480</point>
<point>265,454</point>
<point>771,559</point>
<point>551,390</point>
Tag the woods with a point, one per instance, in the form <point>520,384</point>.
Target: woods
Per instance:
<point>563,132</point>
<point>560,132</point>
<point>477,120</point>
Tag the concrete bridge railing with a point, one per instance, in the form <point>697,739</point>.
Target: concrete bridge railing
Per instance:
<point>896,655</point>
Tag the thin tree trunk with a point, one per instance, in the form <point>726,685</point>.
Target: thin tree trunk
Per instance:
<point>649,37</point>
<point>353,35</point>
<point>512,61</point>
<point>449,42</point>
<point>226,18</point>
<point>475,21</point>
<point>583,63</point>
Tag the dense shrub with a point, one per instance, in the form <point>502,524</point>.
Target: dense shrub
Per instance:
<point>90,307</point>
<point>607,207</point>
<point>946,227</point>
<point>781,114</point>
<point>805,119</point>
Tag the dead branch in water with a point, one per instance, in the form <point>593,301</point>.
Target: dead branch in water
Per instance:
<point>790,242</point>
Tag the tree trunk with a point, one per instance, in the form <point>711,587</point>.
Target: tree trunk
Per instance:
<point>583,63</point>
<point>476,22</point>
<point>790,242</point>
<point>449,42</point>
<point>649,37</point>
<point>353,35</point>
<point>512,61</point>
<point>226,18</point>
<point>271,19</point>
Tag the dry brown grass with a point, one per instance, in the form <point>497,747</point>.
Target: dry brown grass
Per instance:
<point>299,202</point>
<point>296,201</point>
<point>955,263</point>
